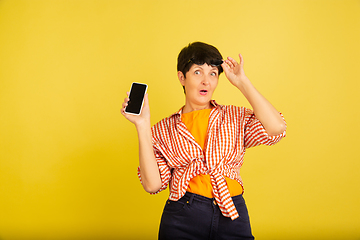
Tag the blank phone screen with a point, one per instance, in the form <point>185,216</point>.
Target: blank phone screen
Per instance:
<point>136,96</point>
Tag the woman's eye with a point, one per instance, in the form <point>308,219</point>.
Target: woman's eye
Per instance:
<point>197,72</point>
<point>213,74</point>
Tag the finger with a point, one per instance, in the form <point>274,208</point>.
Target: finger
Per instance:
<point>224,64</point>
<point>241,60</point>
<point>233,61</point>
<point>228,71</point>
<point>229,64</point>
<point>123,111</point>
<point>225,67</point>
<point>127,99</point>
<point>146,100</point>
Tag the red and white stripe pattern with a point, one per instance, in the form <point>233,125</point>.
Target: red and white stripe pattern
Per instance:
<point>180,158</point>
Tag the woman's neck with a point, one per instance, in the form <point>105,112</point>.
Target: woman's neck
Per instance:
<point>194,107</point>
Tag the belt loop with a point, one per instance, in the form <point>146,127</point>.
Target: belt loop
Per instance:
<point>191,198</point>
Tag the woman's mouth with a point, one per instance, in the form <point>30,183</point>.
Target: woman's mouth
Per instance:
<point>203,92</point>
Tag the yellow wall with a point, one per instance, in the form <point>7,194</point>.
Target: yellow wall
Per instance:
<point>68,158</point>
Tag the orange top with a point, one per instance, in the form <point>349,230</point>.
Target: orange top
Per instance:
<point>197,123</point>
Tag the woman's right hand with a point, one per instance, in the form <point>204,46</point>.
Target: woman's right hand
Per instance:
<point>143,118</point>
<point>149,170</point>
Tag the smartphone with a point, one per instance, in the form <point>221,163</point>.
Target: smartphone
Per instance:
<point>137,94</point>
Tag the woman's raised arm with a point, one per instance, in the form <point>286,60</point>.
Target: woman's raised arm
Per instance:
<point>149,170</point>
<point>266,113</point>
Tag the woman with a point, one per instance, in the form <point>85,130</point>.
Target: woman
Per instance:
<point>199,150</point>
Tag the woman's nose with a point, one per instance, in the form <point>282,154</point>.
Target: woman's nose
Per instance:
<point>205,81</point>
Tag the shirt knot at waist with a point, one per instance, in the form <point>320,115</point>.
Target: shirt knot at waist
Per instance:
<point>218,182</point>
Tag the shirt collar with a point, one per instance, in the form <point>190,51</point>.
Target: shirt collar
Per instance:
<point>178,113</point>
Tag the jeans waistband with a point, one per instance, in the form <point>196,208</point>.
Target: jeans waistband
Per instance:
<point>190,197</point>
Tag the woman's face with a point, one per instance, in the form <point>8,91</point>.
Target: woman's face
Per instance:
<point>200,83</point>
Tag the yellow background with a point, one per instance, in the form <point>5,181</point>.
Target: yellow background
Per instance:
<point>68,158</point>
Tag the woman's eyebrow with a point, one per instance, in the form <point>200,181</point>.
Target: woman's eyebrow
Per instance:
<point>212,67</point>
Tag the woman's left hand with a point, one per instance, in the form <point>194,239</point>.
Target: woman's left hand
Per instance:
<point>234,71</point>
<point>269,117</point>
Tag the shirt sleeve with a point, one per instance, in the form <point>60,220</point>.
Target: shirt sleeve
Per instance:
<point>255,133</point>
<point>164,169</point>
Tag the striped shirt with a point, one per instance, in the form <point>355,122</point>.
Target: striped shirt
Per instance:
<point>180,158</point>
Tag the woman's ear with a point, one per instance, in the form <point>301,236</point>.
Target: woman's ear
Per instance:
<point>181,78</point>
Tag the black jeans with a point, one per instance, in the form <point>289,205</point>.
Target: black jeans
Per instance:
<point>198,217</point>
